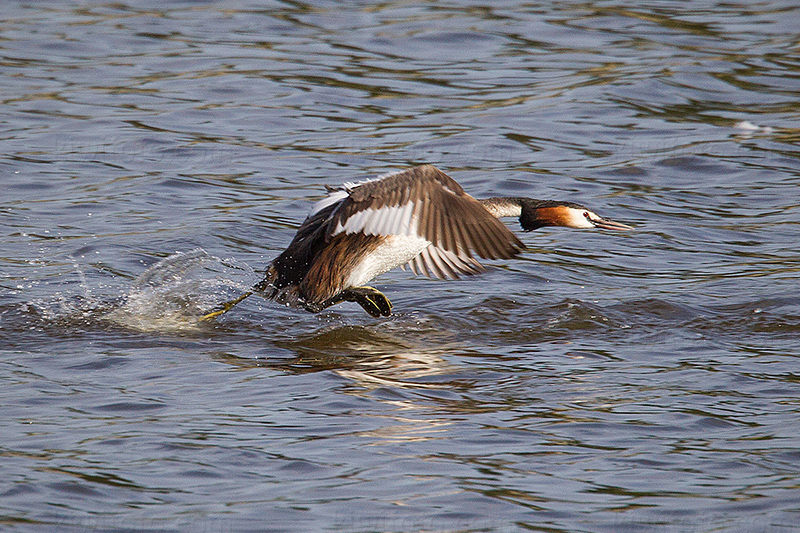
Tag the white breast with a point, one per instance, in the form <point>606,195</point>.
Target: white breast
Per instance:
<point>396,250</point>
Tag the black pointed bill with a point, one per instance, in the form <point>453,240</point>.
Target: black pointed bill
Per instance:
<point>603,223</point>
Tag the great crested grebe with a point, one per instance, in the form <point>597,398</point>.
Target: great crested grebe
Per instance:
<point>418,217</point>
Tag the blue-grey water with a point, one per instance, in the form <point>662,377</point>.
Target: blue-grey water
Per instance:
<point>156,156</point>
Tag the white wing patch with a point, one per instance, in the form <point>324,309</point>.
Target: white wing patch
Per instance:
<point>350,185</point>
<point>404,247</point>
<point>394,220</point>
<point>332,198</point>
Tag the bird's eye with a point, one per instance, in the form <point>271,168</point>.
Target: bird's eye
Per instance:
<point>586,214</point>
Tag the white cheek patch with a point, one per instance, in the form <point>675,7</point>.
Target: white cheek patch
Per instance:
<point>578,220</point>
<point>586,222</point>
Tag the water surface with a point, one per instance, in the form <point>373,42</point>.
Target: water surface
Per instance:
<point>155,158</point>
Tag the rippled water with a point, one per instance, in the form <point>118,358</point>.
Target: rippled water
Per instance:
<point>155,158</point>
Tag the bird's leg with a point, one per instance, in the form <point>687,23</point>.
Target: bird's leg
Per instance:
<point>225,307</point>
<point>261,288</point>
<point>371,300</point>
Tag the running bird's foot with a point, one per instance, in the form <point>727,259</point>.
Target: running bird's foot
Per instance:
<point>224,308</point>
<point>372,300</point>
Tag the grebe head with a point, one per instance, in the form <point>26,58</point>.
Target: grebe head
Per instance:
<point>538,214</point>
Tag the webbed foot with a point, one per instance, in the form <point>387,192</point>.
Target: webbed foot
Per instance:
<point>371,300</point>
<point>225,307</point>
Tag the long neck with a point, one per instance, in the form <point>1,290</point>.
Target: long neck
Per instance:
<point>532,213</point>
<point>503,207</point>
<point>527,209</point>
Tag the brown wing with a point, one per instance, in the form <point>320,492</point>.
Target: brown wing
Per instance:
<point>424,201</point>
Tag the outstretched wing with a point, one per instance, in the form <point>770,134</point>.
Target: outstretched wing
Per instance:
<point>423,202</point>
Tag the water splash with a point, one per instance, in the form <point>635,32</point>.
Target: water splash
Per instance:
<point>172,294</point>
